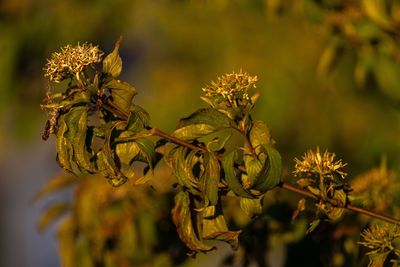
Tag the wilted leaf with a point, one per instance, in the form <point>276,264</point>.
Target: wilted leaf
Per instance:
<point>211,178</point>
<point>182,218</point>
<point>231,178</point>
<point>112,64</point>
<point>83,158</point>
<point>215,228</point>
<point>65,151</point>
<point>273,176</point>
<point>51,214</point>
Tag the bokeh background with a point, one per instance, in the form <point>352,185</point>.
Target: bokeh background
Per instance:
<point>328,76</point>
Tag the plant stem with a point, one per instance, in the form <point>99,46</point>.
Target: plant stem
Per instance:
<point>157,132</point>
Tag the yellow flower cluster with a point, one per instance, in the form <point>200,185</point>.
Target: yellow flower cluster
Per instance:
<point>377,186</point>
<point>71,61</point>
<point>231,86</point>
<point>323,164</point>
<point>379,238</point>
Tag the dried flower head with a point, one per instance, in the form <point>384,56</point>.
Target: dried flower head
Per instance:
<point>379,238</point>
<point>231,86</point>
<point>322,164</point>
<point>71,61</point>
<point>377,186</point>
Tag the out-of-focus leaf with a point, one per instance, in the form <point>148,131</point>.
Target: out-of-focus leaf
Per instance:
<point>252,207</point>
<point>51,214</point>
<point>67,242</point>
<point>387,73</point>
<point>112,63</point>
<point>122,93</point>
<point>378,259</point>
<point>231,178</point>
<point>56,183</point>
<point>215,228</point>
<point>182,218</point>
<point>313,225</point>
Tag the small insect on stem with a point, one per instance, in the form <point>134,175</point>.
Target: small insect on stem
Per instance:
<point>51,124</point>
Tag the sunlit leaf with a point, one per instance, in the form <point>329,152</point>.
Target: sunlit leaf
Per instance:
<point>215,228</point>
<point>122,93</point>
<point>112,64</point>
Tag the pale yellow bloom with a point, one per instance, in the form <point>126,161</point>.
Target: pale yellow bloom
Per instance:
<point>71,61</point>
<point>231,86</point>
<point>323,164</point>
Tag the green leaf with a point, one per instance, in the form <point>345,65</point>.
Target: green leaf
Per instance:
<point>201,123</point>
<point>252,207</point>
<point>51,214</point>
<point>313,225</point>
<point>215,228</point>
<point>273,176</point>
<point>112,64</point>
<point>259,134</point>
<point>56,183</point>
<point>138,119</point>
<point>194,131</point>
<point>230,177</point>
<point>126,151</point>
<point>147,151</point>
<point>65,151</point>
<point>122,93</point>
<point>182,218</point>
<point>211,178</point>
<point>83,158</point>
<point>378,259</point>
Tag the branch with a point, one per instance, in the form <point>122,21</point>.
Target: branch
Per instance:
<point>157,132</point>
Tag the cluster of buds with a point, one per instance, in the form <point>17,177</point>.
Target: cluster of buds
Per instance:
<point>380,238</point>
<point>322,164</point>
<point>231,87</point>
<point>71,61</point>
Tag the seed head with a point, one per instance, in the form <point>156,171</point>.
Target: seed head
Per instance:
<point>71,61</point>
<point>379,238</point>
<point>317,163</point>
<point>231,86</point>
